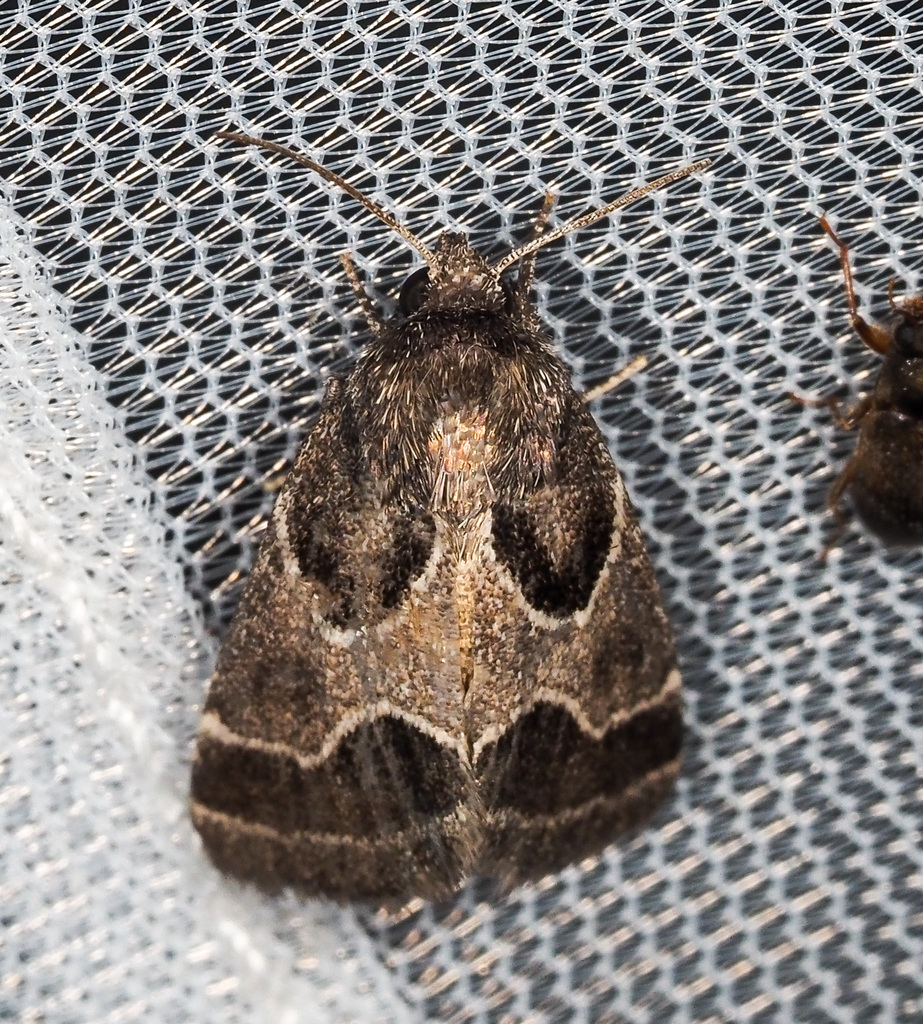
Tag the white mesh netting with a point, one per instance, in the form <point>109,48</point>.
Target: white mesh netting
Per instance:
<point>170,310</point>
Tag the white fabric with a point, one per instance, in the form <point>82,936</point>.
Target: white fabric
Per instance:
<point>169,308</point>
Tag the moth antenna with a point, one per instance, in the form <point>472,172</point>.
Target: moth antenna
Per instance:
<point>594,215</point>
<point>341,183</point>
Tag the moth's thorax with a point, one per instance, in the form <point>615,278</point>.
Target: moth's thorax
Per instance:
<point>462,450</point>
<point>461,278</point>
<point>456,411</point>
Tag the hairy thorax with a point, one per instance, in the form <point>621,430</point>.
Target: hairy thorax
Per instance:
<point>462,412</point>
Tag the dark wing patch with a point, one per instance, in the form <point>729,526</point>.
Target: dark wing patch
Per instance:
<point>405,556</point>
<point>389,811</point>
<point>583,767</point>
<point>556,539</point>
<point>364,554</point>
<point>556,794</point>
<point>385,771</point>
<point>557,569</point>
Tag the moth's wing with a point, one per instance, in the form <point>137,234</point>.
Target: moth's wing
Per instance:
<point>574,713</point>
<point>310,770</point>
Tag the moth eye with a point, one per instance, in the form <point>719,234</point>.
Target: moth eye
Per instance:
<point>414,291</point>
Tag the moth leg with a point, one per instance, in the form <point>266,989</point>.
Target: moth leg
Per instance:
<point>527,265</point>
<point>619,377</point>
<point>368,309</point>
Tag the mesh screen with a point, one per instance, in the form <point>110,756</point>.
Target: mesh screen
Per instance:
<point>170,308</point>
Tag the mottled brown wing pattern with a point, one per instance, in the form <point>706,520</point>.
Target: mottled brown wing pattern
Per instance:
<point>310,770</point>
<point>588,742</point>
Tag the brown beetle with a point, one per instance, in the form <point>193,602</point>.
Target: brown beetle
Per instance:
<point>884,477</point>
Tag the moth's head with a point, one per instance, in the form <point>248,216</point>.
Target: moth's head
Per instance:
<point>456,277</point>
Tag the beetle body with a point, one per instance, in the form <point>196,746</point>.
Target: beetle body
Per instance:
<point>884,477</point>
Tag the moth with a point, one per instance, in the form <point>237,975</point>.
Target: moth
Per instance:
<point>451,656</point>
<point>884,476</point>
